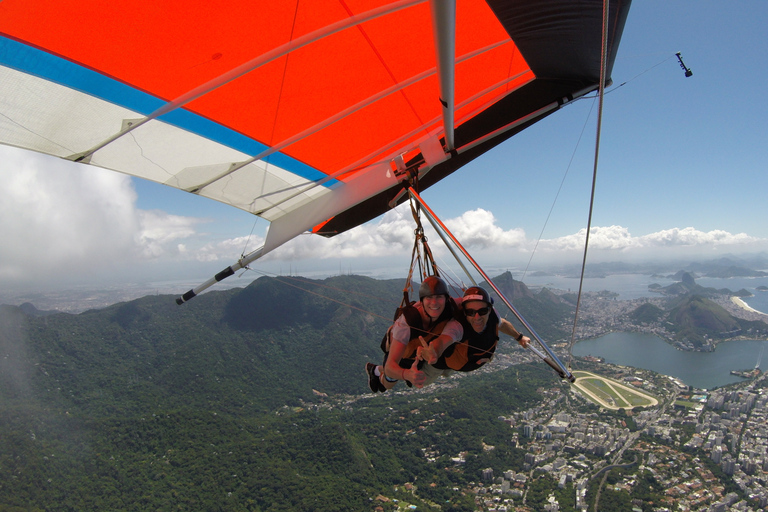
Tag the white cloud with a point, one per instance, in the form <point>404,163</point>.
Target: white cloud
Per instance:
<point>611,238</point>
<point>160,232</point>
<point>478,229</point>
<point>62,220</point>
<point>393,235</point>
<point>693,237</point>
<point>617,243</point>
<point>227,250</point>
<point>619,239</point>
<point>493,246</point>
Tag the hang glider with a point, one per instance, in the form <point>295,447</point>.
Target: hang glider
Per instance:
<point>305,113</point>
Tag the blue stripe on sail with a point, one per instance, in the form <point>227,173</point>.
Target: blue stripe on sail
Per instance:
<point>27,59</point>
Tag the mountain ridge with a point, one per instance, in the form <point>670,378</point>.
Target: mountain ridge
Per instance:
<point>320,333</point>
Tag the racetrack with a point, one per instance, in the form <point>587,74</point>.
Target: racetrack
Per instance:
<point>611,394</point>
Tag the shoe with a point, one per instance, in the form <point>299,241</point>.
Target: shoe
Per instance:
<point>374,382</point>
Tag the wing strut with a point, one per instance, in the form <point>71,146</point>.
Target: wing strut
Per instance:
<point>241,264</point>
<point>444,26</point>
<point>547,355</point>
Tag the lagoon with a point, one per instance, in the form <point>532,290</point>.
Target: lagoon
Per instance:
<point>704,370</point>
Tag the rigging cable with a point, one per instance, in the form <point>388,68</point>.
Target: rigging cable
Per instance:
<point>248,238</point>
<point>601,96</point>
<point>622,84</point>
<point>559,189</point>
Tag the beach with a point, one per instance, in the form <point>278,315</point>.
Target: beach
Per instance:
<point>744,305</point>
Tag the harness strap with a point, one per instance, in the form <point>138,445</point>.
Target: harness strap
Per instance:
<point>414,343</point>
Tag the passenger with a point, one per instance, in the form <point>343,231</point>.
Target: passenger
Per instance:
<point>481,323</point>
<point>419,335</point>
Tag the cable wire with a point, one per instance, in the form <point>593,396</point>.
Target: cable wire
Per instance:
<point>601,95</point>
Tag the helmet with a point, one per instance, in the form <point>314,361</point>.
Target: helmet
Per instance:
<point>477,293</point>
<point>432,285</point>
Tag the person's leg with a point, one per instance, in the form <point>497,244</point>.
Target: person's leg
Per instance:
<point>374,381</point>
<point>433,373</point>
<point>384,380</point>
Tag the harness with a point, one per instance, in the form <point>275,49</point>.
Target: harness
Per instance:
<point>466,355</point>
<point>417,329</point>
<point>421,256</point>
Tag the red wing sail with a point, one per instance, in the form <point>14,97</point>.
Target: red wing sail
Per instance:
<point>296,111</point>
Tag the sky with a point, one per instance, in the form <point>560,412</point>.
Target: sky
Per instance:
<point>681,174</point>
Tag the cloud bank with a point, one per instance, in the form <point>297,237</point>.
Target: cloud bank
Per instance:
<point>63,222</point>
<point>618,240</point>
<point>479,233</point>
<point>69,223</point>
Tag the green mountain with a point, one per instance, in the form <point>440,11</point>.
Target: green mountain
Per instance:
<point>736,271</point>
<point>270,344</point>
<point>693,318</point>
<point>647,314</point>
<point>686,286</point>
<point>544,310</point>
<point>246,399</point>
<point>698,319</point>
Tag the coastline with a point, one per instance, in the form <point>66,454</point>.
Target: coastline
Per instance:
<point>745,306</point>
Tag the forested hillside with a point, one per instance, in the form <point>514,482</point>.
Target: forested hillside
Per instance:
<point>210,405</point>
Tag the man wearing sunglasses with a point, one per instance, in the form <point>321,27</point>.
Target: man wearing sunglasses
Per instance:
<point>481,325</point>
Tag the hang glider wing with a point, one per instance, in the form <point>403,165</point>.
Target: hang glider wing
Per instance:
<point>301,112</point>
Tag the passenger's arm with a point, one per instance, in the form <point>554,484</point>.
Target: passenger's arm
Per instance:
<point>507,328</point>
<point>452,332</point>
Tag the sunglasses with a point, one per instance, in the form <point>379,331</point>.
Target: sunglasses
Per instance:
<point>472,312</point>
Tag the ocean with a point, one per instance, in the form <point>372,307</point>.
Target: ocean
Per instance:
<point>635,286</point>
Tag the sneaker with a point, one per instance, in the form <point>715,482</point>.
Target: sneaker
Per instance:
<point>373,381</point>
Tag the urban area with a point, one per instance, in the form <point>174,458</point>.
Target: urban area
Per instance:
<point>670,442</point>
<point>706,449</point>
